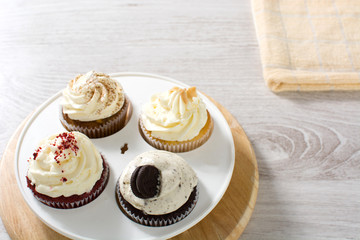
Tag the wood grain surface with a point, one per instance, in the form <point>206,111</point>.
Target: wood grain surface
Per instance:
<point>307,144</point>
<point>227,221</point>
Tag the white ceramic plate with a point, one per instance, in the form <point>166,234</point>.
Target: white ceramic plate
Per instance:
<point>102,219</point>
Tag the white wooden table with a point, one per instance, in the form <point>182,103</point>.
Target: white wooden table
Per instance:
<point>307,144</point>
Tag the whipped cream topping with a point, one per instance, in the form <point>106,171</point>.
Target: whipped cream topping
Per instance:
<point>177,181</point>
<point>92,96</point>
<point>65,164</point>
<point>175,115</point>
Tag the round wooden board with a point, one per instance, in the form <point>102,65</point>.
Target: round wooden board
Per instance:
<point>227,221</point>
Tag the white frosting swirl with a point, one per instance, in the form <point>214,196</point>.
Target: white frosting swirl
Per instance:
<point>175,115</point>
<point>65,164</point>
<point>92,96</point>
<point>178,180</point>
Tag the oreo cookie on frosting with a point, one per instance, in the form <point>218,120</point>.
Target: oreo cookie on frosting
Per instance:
<point>157,188</point>
<point>145,181</point>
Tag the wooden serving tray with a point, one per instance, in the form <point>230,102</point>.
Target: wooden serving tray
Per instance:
<point>227,220</point>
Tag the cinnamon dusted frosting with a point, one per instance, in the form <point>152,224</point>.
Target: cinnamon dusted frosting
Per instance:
<point>65,164</point>
<point>175,115</point>
<point>92,96</point>
<point>177,181</point>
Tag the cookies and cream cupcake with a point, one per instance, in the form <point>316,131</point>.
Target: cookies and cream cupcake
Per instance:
<point>176,120</point>
<point>67,171</point>
<point>94,104</point>
<point>157,188</point>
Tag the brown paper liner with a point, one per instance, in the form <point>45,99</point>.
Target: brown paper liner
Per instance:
<point>138,216</point>
<point>74,201</point>
<point>178,146</point>
<point>99,128</point>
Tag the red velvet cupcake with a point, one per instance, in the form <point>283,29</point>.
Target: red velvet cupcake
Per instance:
<point>67,171</point>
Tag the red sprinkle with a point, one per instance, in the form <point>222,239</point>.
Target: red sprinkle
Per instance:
<point>63,179</point>
<point>36,153</point>
<point>68,141</point>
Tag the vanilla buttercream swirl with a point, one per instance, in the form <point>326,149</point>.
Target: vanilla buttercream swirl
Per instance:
<point>65,164</point>
<point>92,96</point>
<point>175,115</point>
<point>177,181</point>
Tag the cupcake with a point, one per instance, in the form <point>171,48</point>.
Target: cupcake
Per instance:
<point>176,120</point>
<point>157,188</point>
<point>94,104</point>
<point>67,171</point>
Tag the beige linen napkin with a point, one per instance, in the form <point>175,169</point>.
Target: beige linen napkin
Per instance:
<point>309,45</point>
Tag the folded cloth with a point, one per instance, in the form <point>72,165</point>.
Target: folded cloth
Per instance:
<point>309,45</point>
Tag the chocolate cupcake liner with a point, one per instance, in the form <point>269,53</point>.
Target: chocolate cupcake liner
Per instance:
<point>174,146</point>
<point>74,204</point>
<point>109,126</point>
<point>75,201</point>
<point>156,220</point>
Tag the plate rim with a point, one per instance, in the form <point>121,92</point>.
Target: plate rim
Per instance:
<point>54,97</point>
